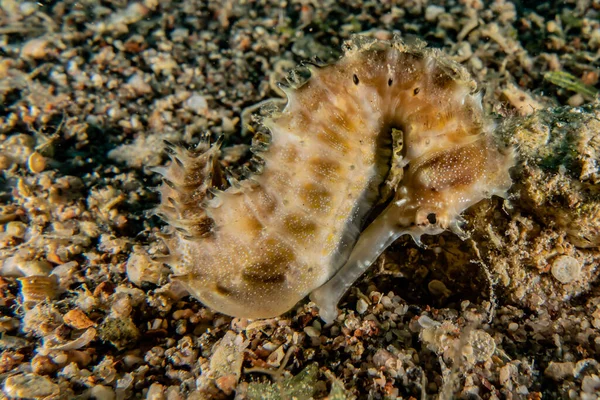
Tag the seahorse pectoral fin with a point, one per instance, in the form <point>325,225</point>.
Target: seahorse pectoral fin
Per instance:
<point>381,233</point>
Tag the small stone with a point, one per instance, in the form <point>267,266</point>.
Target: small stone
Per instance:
<point>552,27</point>
<point>139,268</point>
<point>16,229</point>
<point>5,162</point>
<point>156,392</point>
<point>274,359</point>
<point>77,319</point>
<point>27,8</point>
<point>101,392</point>
<point>361,306</point>
<point>43,365</point>
<point>566,269</point>
<point>36,162</point>
<point>29,386</point>
<point>228,125</point>
<point>387,302</point>
<point>438,288</point>
<point>558,371</point>
<point>505,374</point>
<point>432,12</point>
<point>227,383</point>
<point>576,100</point>
<point>226,361</point>
<point>381,357</point>
<point>522,390</point>
<point>312,332</point>
<point>591,384</point>
<point>139,85</point>
<point>119,331</point>
<point>197,103</point>
<point>35,48</point>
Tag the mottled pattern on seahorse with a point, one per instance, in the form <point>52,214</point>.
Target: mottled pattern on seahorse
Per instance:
<point>258,247</point>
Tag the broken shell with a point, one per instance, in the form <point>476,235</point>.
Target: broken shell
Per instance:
<point>35,289</point>
<point>82,341</point>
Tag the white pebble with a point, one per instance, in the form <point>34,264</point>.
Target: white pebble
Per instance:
<point>432,12</point>
<point>566,269</point>
<point>197,103</point>
<point>97,80</point>
<point>139,85</point>
<point>361,306</point>
<point>27,8</point>
<point>591,384</point>
<point>387,302</point>
<point>427,323</point>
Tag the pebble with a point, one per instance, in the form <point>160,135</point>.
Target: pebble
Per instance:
<point>16,229</point>
<point>29,386</point>
<point>35,48</point>
<point>387,302</point>
<point>77,319</point>
<point>27,8</point>
<point>312,331</point>
<point>361,306</point>
<point>591,384</point>
<point>438,288</point>
<point>197,103</point>
<point>560,370</point>
<point>139,85</point>
<point>101,392</point>
<point>36,162</point>
<point>432,12</point>
<point>155,392</point>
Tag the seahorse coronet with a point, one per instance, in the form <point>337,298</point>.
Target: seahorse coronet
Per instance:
<point>387,124</point>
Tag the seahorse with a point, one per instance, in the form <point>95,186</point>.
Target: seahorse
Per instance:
<point>389,123</point>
